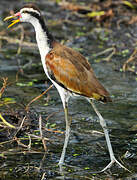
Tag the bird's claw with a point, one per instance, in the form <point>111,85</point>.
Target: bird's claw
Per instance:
<point>114,160</point>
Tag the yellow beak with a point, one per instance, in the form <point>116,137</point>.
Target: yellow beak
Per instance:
<point>13,21</point>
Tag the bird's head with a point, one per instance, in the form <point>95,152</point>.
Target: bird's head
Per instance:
<point>28,13</point>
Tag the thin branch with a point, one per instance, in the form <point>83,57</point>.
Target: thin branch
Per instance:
<point>6,123</point>
<point>20,126</point>
<point>38,137</point>
<point>41,134</point>
<point>17,41</point>
<point>36,98</point>
<point>29,145</point>
<point>4,86</point>
<point>131,58</point>
<point>113,49</point>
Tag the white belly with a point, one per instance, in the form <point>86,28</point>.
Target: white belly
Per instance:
<point>64,94</point>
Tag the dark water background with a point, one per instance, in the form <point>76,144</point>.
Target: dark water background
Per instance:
<point>87,151</point>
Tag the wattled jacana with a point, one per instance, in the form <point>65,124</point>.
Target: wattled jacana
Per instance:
<point>68,70</point>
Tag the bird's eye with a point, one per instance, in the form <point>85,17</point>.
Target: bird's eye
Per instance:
<point>24,12</point>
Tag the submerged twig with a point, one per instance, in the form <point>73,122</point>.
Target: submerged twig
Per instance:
<point>38,137</point>
<point>29,145</point>
<point>51,130</point>
<point>17,41</point>
<point>41,163</point>
<point>131,58</point>
<point>20,143</point>
<point>43,176</point>
<point>113,49</point>
<point>5,142</point>
<point>36,98</point>
<point>41,134</point>
<point>4,85</point>
<point>20,126</point>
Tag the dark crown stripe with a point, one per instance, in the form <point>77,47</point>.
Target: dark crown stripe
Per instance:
<point>34,14</point>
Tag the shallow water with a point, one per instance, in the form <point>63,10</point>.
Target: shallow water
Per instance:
<point>87,151</point>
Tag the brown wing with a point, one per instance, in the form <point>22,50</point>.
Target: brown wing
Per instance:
<point>72,71</point>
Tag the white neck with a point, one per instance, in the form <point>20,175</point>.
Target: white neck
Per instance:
<point>42,41</point>
<point>41,38</point>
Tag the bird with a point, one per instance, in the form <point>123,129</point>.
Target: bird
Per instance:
<point>68,70</point>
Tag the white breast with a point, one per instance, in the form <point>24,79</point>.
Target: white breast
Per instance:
<point>44,49</point>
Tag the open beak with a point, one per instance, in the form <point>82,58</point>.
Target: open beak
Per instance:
<point>13,21</point>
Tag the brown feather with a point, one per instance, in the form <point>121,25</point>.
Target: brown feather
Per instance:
<point>74,72</point>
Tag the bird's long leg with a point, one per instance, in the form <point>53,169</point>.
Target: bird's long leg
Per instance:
<point>111,153</point>
<point>67,134</point>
